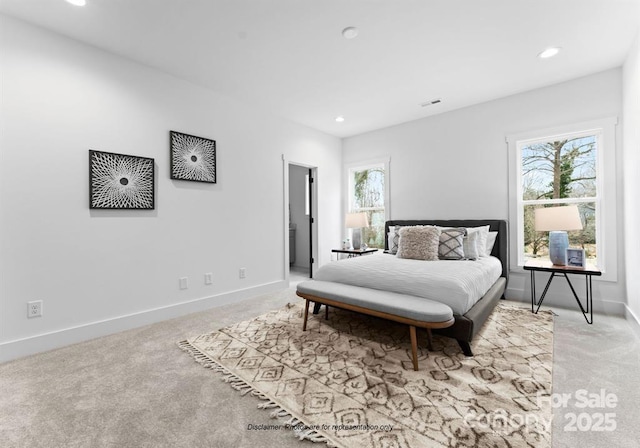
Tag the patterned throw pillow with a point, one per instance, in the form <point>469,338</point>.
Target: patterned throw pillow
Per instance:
<point>394,239</point>
<point>419,243</point>
<point>450,247</point>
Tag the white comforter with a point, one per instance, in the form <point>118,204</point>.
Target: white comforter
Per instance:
<point>457,283</point>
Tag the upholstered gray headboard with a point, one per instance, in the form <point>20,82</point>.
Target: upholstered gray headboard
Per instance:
<point>500,248</point>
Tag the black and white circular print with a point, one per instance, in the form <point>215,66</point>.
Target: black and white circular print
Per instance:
<point>193,158</point>
<point>120,181</point>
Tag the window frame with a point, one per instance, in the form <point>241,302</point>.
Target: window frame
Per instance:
<point>605,199</point>
<point>363,165</point>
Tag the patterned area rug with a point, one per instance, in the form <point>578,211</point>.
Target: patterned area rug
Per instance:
<point>349,381</point>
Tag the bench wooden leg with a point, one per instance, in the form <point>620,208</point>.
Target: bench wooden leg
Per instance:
<point>306,316</point>
<point>414,346</point>
<point>326,312</point>
<point>429,340</point>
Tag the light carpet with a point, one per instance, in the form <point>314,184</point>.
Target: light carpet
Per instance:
<point>349,381</point>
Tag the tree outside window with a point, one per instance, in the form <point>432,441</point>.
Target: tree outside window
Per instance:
<point>367,194</point>
<point>560,171</point>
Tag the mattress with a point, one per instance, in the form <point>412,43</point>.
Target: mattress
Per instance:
<point>456,283</point>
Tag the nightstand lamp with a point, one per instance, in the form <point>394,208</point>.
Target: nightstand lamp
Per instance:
<point>356,221</point>
<point>556,221</point>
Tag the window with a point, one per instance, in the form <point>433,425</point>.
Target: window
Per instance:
<point>368,192</point>
<point>560,170</point>
<point>565,166</point>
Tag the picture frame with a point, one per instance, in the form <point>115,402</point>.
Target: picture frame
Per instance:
<point>576,258</point>
<point>121,181</point>
<point>193,158</point>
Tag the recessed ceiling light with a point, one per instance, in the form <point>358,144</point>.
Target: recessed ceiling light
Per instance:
<point>549,52</point>
<point>350,32</point>
<point>77,2</point>
<point>339,118</point>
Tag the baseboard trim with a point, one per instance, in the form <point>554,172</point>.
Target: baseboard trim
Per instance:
<point>20,348</point>
<point>609,307</point>
<point>634,321</point>
<point>516,295</point>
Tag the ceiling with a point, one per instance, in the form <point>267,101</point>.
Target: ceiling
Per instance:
<point>288,57</point>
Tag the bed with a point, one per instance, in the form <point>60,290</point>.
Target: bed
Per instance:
<point>470,288</point>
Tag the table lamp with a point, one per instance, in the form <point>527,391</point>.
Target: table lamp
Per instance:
<point>556,221</point>
<point>356,221</point>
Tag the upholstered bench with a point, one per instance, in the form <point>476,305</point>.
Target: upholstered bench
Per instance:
<point>410,310</point>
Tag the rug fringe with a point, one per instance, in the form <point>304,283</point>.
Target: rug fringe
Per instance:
<point>280,412</point>
<point>292,421</point>
<point>269,405</point>
<point>244,388</point>
<point>313,436</point>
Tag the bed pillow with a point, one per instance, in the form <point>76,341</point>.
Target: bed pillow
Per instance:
<point>483,233</point>
<point>470,246</point>
<point>394,239</point>
<point>491,241</point>
<point>419,243</point>
<point>451,243</point>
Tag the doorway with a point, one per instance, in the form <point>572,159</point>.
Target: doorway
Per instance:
<point>301,222</point>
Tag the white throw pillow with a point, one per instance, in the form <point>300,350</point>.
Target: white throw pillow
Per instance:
<point>483,233</point>
<point>470,246</point>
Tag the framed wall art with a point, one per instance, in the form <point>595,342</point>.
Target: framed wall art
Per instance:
<point>119,181</point>
<point>193,158</point>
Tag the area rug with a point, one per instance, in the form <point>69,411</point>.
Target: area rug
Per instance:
<point>349,381</point>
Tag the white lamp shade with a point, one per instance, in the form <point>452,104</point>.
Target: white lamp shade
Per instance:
<point>356,220</point>
<point>549,219</point>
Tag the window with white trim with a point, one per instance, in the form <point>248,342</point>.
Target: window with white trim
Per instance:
<point>368,188</point>
<point>572,165</point>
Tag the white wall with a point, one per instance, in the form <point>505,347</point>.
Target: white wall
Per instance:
<point>631,105</point>
<point>102,271</point>
<point>455,165</point>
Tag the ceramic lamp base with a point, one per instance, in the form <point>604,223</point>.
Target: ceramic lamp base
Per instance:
<point>357,239</point>
<point>558,245</point>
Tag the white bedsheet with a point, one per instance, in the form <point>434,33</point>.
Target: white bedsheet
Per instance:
<point>457,283</point>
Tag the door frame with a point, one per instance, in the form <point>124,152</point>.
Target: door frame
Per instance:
<point>313,192</point>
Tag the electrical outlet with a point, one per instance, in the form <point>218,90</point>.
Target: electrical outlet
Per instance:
<point>34,309</point>
<point>208,278</point>
<point>184,282</point>
<point>243,272</point>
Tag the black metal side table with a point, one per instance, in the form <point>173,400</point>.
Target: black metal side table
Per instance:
<point>545,266</point>
<point>351,253</point>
